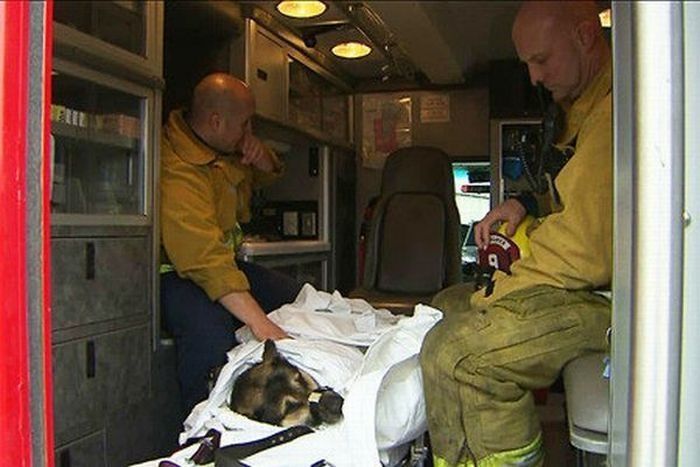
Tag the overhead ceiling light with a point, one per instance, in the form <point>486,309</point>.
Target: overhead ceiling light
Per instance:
<point>301,9</point>
<point>351,50</point>
<point>605,18</point>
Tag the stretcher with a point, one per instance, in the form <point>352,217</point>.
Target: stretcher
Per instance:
<point>367,355</point>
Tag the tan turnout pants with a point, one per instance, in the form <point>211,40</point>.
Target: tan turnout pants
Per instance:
<point>479,367</point>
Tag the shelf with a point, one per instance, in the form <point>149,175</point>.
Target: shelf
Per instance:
<point>248,249</point>
<point>94,136</point>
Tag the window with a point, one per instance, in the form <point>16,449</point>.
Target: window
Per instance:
<point>473,198</point>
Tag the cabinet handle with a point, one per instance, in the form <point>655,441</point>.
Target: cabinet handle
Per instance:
<point>90,359</point>
<point>89,261</point>
<point>262,74</point>
<point>64,458</point>
<point>313,161</point>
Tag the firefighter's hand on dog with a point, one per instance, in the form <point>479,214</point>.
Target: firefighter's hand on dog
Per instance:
<point>510,211</point>
<point>243,306</point>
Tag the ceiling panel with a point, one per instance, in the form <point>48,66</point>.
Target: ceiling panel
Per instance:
<point>428,42</point>
<point>444,41</point>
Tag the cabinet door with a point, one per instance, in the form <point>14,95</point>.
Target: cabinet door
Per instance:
<point>267,74</point>
<point>126,33</point>
<point>335,113</point>
<point>305,94</point>
<point>98,279</point>
<point>102,147</point>
<point>316,104</point>
<point>96,376</point>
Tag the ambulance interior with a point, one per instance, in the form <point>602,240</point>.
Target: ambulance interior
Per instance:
<point>440,74</point>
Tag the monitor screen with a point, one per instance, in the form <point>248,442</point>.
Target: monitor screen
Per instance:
<point>472,189</point>
<point>473,198</point>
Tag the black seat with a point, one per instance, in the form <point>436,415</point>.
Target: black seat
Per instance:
<point>412,248</point>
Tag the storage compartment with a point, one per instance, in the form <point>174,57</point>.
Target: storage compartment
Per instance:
<point>289,87</point>
<point>120,35</point>
<point>105,114</point>
<point>99,143</point>
<point>316,104</point>
<point>267,73</point>
<point>99,279</point>
<point>305,93</point>
<point>122,24</point>
<point>98,375</point>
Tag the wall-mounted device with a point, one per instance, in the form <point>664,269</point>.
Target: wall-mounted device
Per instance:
<point>290,219</point>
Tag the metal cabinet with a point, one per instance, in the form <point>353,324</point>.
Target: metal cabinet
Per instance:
<point>316,103</point>
<point>97,376</point>
<point>103,145</point>
<point>105,120</point>
<point>125,36</point>
<point>289,87</point>
<point>259,58</point>
<point>267,73</point>
<point>99,279</point>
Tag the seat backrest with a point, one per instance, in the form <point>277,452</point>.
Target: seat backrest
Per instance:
<point>413,242</point>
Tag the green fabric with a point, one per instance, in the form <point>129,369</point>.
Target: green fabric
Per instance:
<point>454,299</point>
<point>480,365</point>
<point>531,455</point>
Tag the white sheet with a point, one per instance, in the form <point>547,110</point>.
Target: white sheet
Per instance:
<point>384,407</point>
<point>320,315</point>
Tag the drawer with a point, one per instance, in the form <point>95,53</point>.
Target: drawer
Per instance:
<point>84,452</point>
<point>98,279</point>
<point>96,376</point>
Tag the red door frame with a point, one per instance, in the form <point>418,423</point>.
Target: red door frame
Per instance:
<point>26,437</point>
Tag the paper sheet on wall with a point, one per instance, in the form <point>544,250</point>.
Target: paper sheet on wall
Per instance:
<point>435,108</point>
<point>386,126</point>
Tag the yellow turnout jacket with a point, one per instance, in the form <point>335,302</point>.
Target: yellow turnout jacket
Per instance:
<point>204,195</point>
<point>572,247</point>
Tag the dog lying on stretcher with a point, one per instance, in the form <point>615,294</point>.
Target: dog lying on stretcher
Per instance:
<point>276,392</point>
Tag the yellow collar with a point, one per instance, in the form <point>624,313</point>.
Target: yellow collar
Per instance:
<point>186,143</point>
<point>577,113</point>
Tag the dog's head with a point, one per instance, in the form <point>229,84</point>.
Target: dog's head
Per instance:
<point>275,391</point>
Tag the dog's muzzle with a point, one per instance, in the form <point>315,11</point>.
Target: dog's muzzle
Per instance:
<point>326,405</point>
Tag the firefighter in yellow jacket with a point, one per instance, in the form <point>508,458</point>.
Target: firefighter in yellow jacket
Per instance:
<point>210,164</point>
<point>481,362</point>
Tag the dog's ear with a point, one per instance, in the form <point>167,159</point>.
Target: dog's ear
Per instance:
<point>270,352</point>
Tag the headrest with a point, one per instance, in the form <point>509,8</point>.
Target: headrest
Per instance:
<point>418,169</point>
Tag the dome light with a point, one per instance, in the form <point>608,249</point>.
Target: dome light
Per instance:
<point>351,50</point>
<point>301,9</point>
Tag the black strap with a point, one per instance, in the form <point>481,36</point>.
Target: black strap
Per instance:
<point>229,456</point>
<point>208,444</point>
